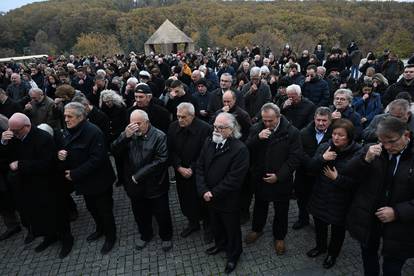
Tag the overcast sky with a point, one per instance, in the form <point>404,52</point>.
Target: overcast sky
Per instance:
<point>6,5</point>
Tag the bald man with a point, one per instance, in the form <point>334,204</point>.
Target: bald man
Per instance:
<point>143,149</point>
<point>30,153</point>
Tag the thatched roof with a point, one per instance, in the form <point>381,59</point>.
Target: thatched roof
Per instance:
<point>168,33</point>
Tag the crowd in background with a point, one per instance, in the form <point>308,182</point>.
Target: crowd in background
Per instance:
<point>302,121</point>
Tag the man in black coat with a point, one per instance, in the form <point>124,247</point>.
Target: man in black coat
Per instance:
<point>315,88</point>
<point>7,204</point>
<point>276,152</point>
<point>242,117</point>
<point>177,95</point>
<point>221,169</point>
<point>7,105</point>
<point>312,136</point>
<point>383,207</point>
<point>216,99</point>
<point>86,164</point>
<point>405,84</point>
<point>144,151</point>
<point>186,136</point>
<point>31,154</point>
<point>297,109</point>
<point>158,115</point>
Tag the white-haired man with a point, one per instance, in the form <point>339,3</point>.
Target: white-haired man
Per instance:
<point>221,169</point>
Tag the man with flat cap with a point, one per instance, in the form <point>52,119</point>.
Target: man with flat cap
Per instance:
<point>158,115</point>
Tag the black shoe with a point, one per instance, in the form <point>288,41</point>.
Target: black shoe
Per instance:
<point>29,238</point>
<point>107,247</point>
<point>10,232</point>
<point>213,250</point>
<point>329,262</point>
<point>48,241</point>
<point>230,266</point>
<point>189,229</point>
<point>315,252</point>
<point>73,215</point>
<point>300,224</point>
<point>67,244</point>
<point>94,236</point>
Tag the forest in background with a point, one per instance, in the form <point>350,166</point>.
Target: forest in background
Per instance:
<point>104,27</point>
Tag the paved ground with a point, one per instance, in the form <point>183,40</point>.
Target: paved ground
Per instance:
<point>186,258</point>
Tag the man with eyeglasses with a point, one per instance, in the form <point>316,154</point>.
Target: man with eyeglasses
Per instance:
<point>383,205</point>
<point>216,100</point>
<point>221,169</point>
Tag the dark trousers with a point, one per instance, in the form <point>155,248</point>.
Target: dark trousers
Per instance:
<point>227,232</point>
<point>337,237</point>
<point>101,208</point>
<point>145,208</point>
<point>303,191</point>
<point>191,204</point>
<point>391,266</point>
<point>280,220</point>
<point>246,195</point>
<point>8,210</point>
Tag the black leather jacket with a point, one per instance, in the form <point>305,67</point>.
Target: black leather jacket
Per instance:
<point>145,157</point>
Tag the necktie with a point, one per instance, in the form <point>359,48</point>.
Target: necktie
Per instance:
<point>392,163</point>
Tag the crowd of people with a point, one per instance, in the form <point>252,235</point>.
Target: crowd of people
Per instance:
<point>232,128</point>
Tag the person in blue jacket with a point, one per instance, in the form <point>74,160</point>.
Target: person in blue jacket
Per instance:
<point>368,104</point>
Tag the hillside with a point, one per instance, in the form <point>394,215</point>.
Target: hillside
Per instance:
<point>55,26</point>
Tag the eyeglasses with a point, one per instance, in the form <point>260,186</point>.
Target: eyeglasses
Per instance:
<point>390,142</point>
<point>341,99</point>
<point>220,127</point>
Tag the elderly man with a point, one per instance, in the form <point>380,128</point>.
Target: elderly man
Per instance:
<point>196,75</point>
<point>143,149</point>
<point>382,207</point>
<point>242,117</point>
<point>186,136</point>
<point>276,152</point>
<point>42,109</point>
<point>129,89</point>
<point>256,93</point>
<point>158,115</point>
<point>31,154</point>
<point>221,169</point>
<point>315,88</point>
<point>7,105</point>
<point>216,100</point>
<point>297,109</point>
<point>400,109</point>
<point>18,90</point>
<point>86,164</point>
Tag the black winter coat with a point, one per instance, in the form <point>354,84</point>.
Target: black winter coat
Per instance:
<point>222,173</point>
<point>317,91</point>
<point>301,114</point>
<point>158,115</point>
<point>280,154</point>
<point>398,238</point>
<point>33,183</point>
<point>87,159</point>
<point>117,120</point>
<point>145,158</point>
<point>330,199</point>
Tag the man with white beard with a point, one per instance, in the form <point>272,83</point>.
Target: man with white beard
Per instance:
<point>221,168</point>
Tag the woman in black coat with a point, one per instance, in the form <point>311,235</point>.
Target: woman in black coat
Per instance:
<point>114,107</point>
<point>332,190</point>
